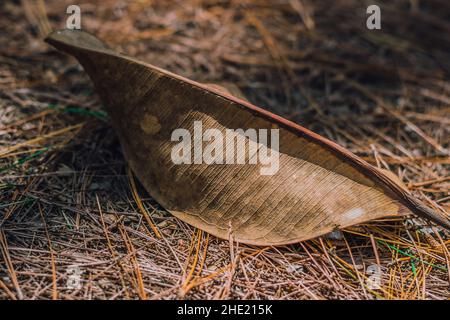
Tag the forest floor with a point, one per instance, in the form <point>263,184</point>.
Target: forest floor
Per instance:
<point>71,214</point>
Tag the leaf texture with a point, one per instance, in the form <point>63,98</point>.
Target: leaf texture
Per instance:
<point>320,186</point>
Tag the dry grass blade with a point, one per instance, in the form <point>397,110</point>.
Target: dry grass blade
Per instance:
<point>141,207</point>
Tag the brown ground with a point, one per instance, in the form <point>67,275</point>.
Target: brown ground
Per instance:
<point>67,200</point>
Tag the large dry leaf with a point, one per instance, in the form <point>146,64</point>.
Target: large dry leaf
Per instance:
<point>320,186</point>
